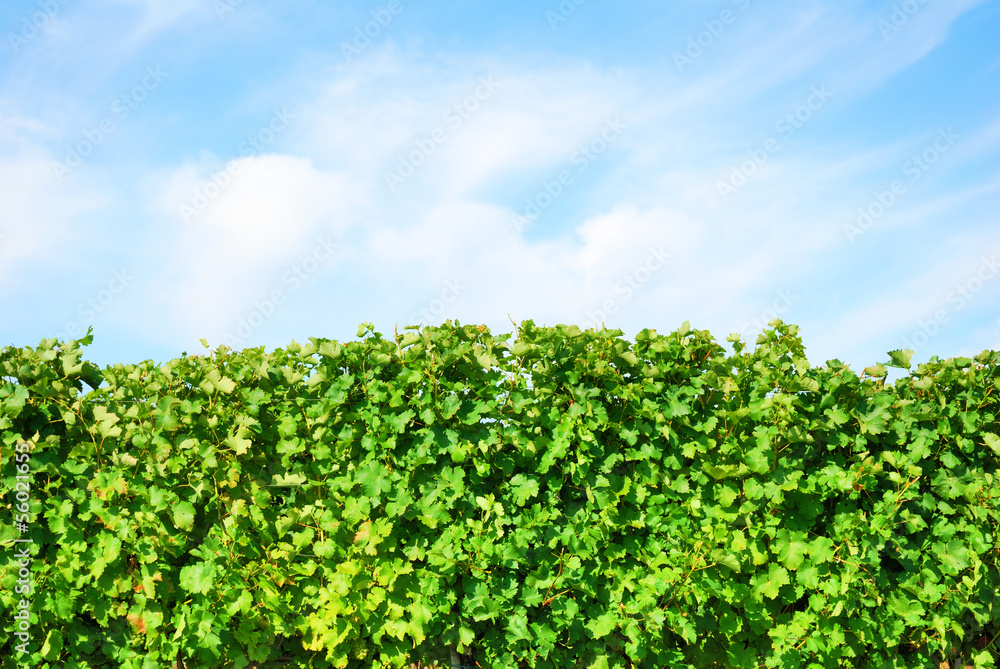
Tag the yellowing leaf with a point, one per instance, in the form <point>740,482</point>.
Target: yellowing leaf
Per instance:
<point>739,542</point>
<point>363,532</point>
<point>183,515</point>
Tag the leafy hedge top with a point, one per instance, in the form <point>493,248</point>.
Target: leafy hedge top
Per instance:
<point>564,497</point>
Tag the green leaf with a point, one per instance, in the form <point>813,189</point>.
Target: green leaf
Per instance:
<point>240,604</point>
<point>837,415</point>
<point>954,557</point>
<point>53,645</point>
<point>401,420</point>
<point>758,460</point>
<point>517,627</point>
<point>91,375</point>
<point>726,494</point>
<point>12,403</point>
<point>984,659</point>
<point>198,577</point>
<point>374,479</point>
<point>420,620</point>
<point>876,370</point>
<point>303,538</point>
<point>728,560</point>
<point>523,488</point>
<point>629,357</point>
<point>603,625</point>
<point>330,349</point>
<point>450,405</point>
<point>769,584</point>
<point>106,422</point>
<point>791,548</point>
<point>215,381</point>
<point>808,576</point>
<point>801,364</point>
<point>993,441</point>
<point>545,636</point>
<point>719,473</point>
<point>821,550</point>
<point>904,607</point>
<point>483,357</point>
<point>873,423</point>
<point>900,358</point>
<point>239,442</point>
<point>739,542</point>
<point>465,637</point>
<point>677,408</point>
<point>316,379</point>
<point>519,348</point>
<point>407,339</point>
<point>947,484</point>
<point>288,480</point>
<point>183,515</point>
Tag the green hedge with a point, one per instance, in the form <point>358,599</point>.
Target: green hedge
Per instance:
<point>562,498</point>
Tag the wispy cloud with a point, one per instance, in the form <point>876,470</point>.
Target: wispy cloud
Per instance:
<point>815,109</point>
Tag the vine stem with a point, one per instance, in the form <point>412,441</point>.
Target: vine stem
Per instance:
<point>546,601</point>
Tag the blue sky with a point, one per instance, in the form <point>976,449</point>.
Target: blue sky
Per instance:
<point>254,172</point>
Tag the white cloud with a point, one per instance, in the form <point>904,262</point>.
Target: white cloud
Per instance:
<point>39,214</point>
<point>379,111</point>
<point>252,230</point>
<point>453,219</point>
